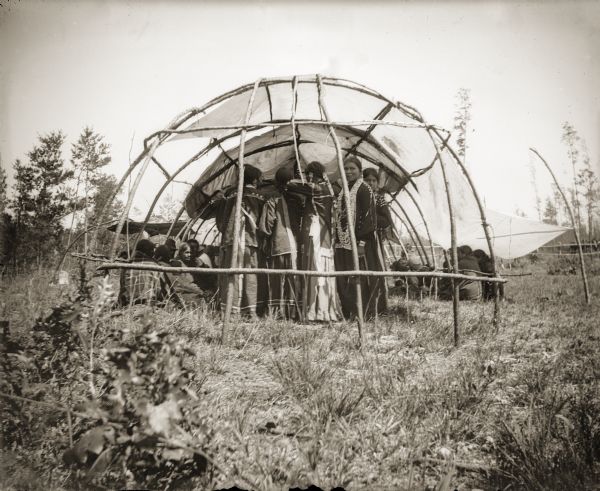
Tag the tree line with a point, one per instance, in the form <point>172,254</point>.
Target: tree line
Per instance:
<point>583,189</point>
<point>53,201</point>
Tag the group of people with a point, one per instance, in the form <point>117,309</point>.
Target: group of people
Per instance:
<point>470,263</point>
<point>153,287</point>
<point>305,226</point>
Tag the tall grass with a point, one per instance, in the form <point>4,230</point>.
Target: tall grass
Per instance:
<point>292,405</point>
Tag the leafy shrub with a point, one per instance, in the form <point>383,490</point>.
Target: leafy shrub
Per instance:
<point>137,423</point>
<point>147,430</point>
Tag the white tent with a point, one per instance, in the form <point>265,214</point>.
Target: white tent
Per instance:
<point>401,145</point>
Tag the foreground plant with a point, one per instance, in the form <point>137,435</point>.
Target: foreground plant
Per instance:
<point>147,430</point>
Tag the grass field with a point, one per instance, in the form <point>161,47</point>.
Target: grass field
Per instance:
<point>289,405</point>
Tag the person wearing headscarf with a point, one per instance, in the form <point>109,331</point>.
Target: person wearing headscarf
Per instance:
<point>385,231</point>
<point>320,300</point>
<point>362,216</point>
<point>143,286</point>
<point>250,290</point>
<point>280,225</point>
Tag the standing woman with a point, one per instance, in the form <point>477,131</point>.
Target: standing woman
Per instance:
<point>319,296</point>
<point>280,226</point>
<point>363,217</point>
<point>385,230</point>
<point>249,293</point>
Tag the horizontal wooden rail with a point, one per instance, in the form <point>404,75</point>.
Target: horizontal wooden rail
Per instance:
<point>269,124</point>
<point>279,272</point>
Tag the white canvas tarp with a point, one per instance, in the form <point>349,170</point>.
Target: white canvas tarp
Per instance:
<point>399,147</point>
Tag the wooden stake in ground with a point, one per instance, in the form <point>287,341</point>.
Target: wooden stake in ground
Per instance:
<point>570,210</point>
<point>486,231</point>
<point>346,190</point>
<point>455,286</point>
<point>236,223</point>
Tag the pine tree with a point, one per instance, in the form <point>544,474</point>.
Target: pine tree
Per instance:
<point>5,220</point>
<point>3,189</point>
<point>88,156</point>
<point>571,138</point>
<point>40,199</point>
<point>588,183</point>
<point>550,213</point>
<point>461,121</point>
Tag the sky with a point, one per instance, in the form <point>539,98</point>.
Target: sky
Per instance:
<point>128,68</point>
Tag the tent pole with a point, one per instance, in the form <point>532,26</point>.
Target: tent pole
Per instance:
<point>293,123</point>
<point>414,200</point>
<point>176,122</point>
<point>175,220</point>
<point>427,262</point>
<point>237,219</point>
<point>132,192</point>
<point>410,233</point>
<point>346,190</point>
<point>455,285</point>
<point>586,287</point>
<point>486,230</point>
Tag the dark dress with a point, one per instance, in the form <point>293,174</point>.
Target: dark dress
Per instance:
<point>364,213</point>
<point>319,295</point>
<point>250,290</point>
<point>280,225</point>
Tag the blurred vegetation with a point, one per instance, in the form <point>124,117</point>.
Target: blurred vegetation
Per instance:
<point>155,401</point>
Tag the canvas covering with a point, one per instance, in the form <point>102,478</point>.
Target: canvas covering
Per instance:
<point>397,151</point>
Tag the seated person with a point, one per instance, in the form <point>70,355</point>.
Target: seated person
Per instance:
<point>485,266</point>
<point>172,246</point>
<point>194,251</point>
<point>410,282</point>
<point>208,282</point>
<point>183,283</point>
<point>467,265</point>
<point>143,286</point>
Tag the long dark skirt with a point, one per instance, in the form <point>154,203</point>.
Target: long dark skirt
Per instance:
<point>373,290</point>
<point>284,291</point>
<point>250,290</point>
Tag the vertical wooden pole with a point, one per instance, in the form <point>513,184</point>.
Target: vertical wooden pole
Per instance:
<point>486,231</point>
<point>455,287</point>
<point>136,183</point>
<point>175,220</point>
<point>411,235</point>
<point>586,288</point>
<point>431,245</point>
<point>293,121</point>
<point>346,191</point>
<point>236,223</point>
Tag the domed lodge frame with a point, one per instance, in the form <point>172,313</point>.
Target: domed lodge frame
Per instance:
<point>292,121</point>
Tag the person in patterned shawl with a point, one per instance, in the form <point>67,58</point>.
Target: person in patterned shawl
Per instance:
<point>363,217</point>
<point>143,286</point>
